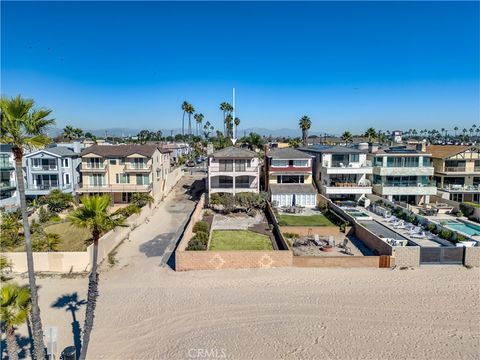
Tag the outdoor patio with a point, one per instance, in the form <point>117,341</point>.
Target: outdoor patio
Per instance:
<point>341,246</point>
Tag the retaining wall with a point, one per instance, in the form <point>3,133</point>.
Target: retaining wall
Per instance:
<point>407,256</point>
<point>472,256</point>
<point>337,261</point>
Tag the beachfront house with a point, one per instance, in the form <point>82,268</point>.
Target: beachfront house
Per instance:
<point>121,170</point>
<point>340,172</point>
<point>8,188</point>
<point>288,178</point>
<point>233,170</point>
<point>457,172</point>
<point>403,174</point>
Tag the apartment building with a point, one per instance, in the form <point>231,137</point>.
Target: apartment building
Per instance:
<point>288,178</point>
<point>121,170</point>
<point>8,188</point>
<point>403,174</point>
<point>233,170</point>
<point>457,172</point>
<point>51,168</point>
<point>340,172</point>
<point>177,150</point>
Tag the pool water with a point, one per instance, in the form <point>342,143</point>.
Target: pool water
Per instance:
<point>466,228</point>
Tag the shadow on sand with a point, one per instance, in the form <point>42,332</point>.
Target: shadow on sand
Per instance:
<point>71,303</point>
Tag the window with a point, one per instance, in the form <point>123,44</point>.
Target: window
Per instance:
<point>402,161</point>
<point>142,179</point>
<point>112,161</point>
<point>226,165</point>
<point>378,161</point>
<point>122,178</point>
<point>67,179</point>
<point>240,165</point>
<point>300,163</point>
<point>427,162</point>
<point>65,163</point>
<point>94,163</point>
<point>279,163</point>
<point>138,163</point>
<point>121,161</point>
<point>96,180</point>
<point>354,158</point>
<point>242,182</point>
<point>290,179</point>
<point>457,197</point>
<point>158,174</point>
<point>126,197</point>
<point>44,164</point>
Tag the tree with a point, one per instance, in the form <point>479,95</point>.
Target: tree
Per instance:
<point>24,127</point>
<point>207,129</point>
<point>253,140</point>
<point>229,125</point>
<point>304,123</point>
<point>198,119</point>
<point>190,110</point>
<point>226,108</point>
<point>295,142</point>
<point>347,136</point>
<point>15,307</point>
<point>370,134</point>
<point>236,122</point>
<point>93,215</point>
<point>68,132</point>
<point>185,106</point>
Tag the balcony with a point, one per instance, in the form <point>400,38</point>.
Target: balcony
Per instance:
<point>43,189</point>
<point>220,170</point>
<point>455,169</point>
<point>82,188</point>
<point>7,185</point>
<point>44,167</point>
<point>460,188</point>
<point>7,165</point>
<point>135,168</point>
<point>347,168</point>
<point>386,188</point>
<point>346,188</point>
<point>403,171</point>
<point>93,167</point>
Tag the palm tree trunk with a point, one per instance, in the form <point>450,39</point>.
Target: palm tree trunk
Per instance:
<point>35,313</point>
<point>91,300</point>
<point>183,124</point>
<point>12,346</point>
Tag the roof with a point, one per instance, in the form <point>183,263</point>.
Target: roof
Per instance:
<point>59,151</point>
<point>234,153</point>
<point>335,149</point>
<point>400,150</point>
<point>120,150</point>
<point>287,154</point>
<point>446,151</point>
<point>292,189</point>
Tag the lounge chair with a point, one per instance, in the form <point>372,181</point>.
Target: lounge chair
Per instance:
<point>400,226</point>
<point>344,243</point>
<point>420,235</point>
<point>316,240</point>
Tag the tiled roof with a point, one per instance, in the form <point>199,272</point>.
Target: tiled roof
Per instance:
<point>446,151</point>
<point>292,189</point>
<point>287,154</point>
<point>329,149</point>
<point>234,153</point>
<point>120,150</point>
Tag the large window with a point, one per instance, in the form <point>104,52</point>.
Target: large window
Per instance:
<point>138,163</point>
<point>226,165</point>
<point>300,163</point>
<point>122,178</point>
<point>44,164</point>
<point>143,179</point>
<point>225,182</point>
<point>378,161</point>
<point>454,165</point>
<point>94,163</point>
<point>242,182</point>
<point>402,161</point>
<point>279,163</point>
<point>290,179</point>
<point>240,165</point>
<point>46,181</point>
<point>97,180</point>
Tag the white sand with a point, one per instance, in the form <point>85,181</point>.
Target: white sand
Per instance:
<point>147,311</point>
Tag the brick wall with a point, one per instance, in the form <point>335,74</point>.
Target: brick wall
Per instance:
<point>407,256</point>
<point>196,215</point>
<point>372,241</point>
<point>472,256</point>
<point>336,261</point>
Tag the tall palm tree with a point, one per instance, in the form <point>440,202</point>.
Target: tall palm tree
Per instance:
<point>370,134</point>
<point>68,132</point>
<point>198,119</point>
<point>455,129</point>
<point>78,133</point>
<point>190,110</point>
<point>229,125</point>
<point>304,124</point>
<point>347,136</point>
<point>93,215</point>
<point>236,122</point>
<point>15,307</point>
<point>464,134</point>
<point>185,106</point>
<point>22,126</point>
<point>224,108</point>
<point>477,131</point>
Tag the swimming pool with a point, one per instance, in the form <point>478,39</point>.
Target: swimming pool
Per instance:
<point>466,228</point>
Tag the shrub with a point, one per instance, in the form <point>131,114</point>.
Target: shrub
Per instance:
<point>198,242</point>
<point>323,208</point>
<point>44,215</point>
<point>228,202</point>
<point>207,213</point>
<point>215,199</point>
<point>459,213</point>
<point>432,228</point>
<point>461,237</point>
<point>3,262</point>
<point>58,201</point>
<point>142,199</point>
<point>290,235</point>
<point>200,226</point>
<point>446,234</point>
<point>127,211</point>
<point>252,212</point>
<point>35,227</point>
<point>467,209</point>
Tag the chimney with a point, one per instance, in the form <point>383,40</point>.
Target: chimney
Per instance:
<point>372,148</point>
<point>422,146</point>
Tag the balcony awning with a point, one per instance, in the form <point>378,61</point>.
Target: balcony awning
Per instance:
<point>292,189</point>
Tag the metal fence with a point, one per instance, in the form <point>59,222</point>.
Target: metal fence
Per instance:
<point>441,255</point>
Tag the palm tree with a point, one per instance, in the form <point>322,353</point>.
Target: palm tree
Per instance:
<point>464,134</point>
<point>207,129</point>
<point>94,216</point>
<point>347,136</point>
<point>370,134</point>
<point>199,119</point>
<point>224,108</point>
<point>24,127</point>
<point>456,129</point>
<point>304,123</point>
<point>229,125</point>
<point>15,307</point>
<point>78,133</point>
<point>190,110</point>
<point>294,143</point>
<point>477,131</point>
<point>236,122</point>
<point>68,132</point>
<point>185,106</point>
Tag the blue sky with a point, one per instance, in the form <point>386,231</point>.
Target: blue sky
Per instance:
<point>346,65</point>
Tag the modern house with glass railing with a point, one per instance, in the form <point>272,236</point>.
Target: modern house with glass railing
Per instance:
<point>51,168</point>
<point>121,170</point>
<point>288,178</point>
<point>8,189</point>
<point>340,172</point>
<point>233,170</point>
<point>402,174</point>
<point>457,172</point>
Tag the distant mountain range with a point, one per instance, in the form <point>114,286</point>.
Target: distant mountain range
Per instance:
<point>120,131</point>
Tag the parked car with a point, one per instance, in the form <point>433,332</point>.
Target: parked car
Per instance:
<point>199,160</point>
<point>190,163</point>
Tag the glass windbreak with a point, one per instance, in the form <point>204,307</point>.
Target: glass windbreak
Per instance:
<point>378,161</point>
<point>402,161</point>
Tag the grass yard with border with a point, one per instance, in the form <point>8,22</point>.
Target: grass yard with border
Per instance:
<point>307,220</point>
<point>239,240</point>
<point>72,238</point>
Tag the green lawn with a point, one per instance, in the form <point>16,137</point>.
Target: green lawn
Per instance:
<point>239,240</point>
<point>307,220</point>
<point>72,238</point>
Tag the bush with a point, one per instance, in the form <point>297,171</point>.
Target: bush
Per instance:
<point>251,200</point>
<point>459,214</point>
<point>446,234</point>
<point>58,201</point>
<point>432,228</point>
<point>290,235</point>
<point>44,215</point>
<point>252,212</point>
<point>128,211</point>
<point>200,226</point>
<point>198,242</point>
<point>215,199</point>
<point>467,209</point>
<point>461,237</point>
<point>142,199</point>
